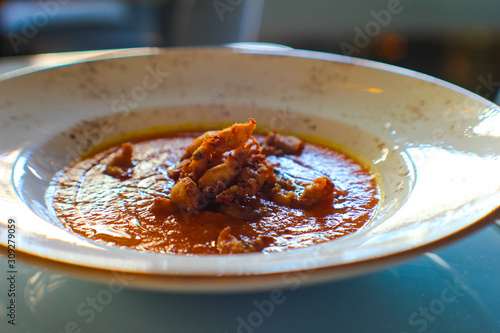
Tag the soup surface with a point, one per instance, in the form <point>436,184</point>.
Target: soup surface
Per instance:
<point>195,193</point>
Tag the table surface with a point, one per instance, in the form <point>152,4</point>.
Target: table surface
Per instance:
<point>454,289</point>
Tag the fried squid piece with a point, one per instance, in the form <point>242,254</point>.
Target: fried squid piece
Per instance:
<point>279,144</point>
<point>197,143</point>
<point>303,195</point>
<point>225,173</point>
<point>249,183</point>
<point>228,244</point>
<point>186,195</point>
<point>121,165</point>
<point>162,207</point>
<point>214,146</point>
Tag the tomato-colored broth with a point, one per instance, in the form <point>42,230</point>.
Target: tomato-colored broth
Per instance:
<point>118,211</point>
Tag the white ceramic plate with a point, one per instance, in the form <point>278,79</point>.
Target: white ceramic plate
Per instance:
<point>434,146</point>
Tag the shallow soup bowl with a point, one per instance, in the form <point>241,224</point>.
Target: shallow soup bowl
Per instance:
<point>432,147</point>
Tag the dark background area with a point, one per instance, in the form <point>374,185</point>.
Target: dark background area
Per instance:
<point>455,40</point>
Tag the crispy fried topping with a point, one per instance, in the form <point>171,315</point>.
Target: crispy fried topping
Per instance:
<point>226,170</point>
<point>121,165</point>
<point>279,144</point>
<point>228,244</point>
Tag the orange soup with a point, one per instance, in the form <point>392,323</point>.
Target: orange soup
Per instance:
<point>220,192</point>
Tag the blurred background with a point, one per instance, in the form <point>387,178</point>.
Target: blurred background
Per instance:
<point>455,40</point>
